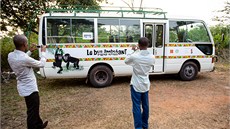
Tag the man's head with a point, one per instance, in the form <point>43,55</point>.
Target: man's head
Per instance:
<point>143,43</point>
<point>20,42</point>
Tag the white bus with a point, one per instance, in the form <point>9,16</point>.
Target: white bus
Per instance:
<point>94,44</point>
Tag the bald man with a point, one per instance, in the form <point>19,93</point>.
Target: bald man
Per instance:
<point>22,64</point>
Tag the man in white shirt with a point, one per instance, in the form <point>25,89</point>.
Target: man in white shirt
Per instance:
<point>22,64</point>
<point>141,61</point>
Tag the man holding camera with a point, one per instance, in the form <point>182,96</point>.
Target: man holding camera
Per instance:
<point>141,60</point>
<point>22,64</point>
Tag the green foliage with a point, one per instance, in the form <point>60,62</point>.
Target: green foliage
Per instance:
<point>173,36</point>
<point>221,35</point>
<point>21,14</point>
<point>24,14</point>
<point>93,4</point>
<point>7,46</point>
<point>223,14</point>
<point>34,39</point>
<point>198,34</point>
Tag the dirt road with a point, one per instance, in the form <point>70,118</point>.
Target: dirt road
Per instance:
<point>70,104</point>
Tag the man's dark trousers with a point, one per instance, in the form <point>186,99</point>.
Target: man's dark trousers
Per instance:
<point>138,99</point>
<point>33,118</point>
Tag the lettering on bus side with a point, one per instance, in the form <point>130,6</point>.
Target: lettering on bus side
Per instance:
<point>106,52</point>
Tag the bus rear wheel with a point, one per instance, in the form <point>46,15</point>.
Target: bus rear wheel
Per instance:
<point>100,76</point>
<point>188,71</point>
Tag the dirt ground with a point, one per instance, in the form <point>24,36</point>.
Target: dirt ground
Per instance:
<point>71,104</point>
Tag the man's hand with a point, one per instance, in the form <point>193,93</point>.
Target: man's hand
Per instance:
<point>43,48</point>
<point>134,47</point>
<point>33,47</point>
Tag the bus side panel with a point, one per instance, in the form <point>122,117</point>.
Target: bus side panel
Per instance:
<point>123,70</point>
<point>75,61</point>
<point>173,65</point>
<point>52,72</point>
<point>176,55</point>
<point>206,64</point>
<point>119,68</point>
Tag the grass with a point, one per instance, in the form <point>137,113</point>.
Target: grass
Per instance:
<point>222,66</point>
<point>70,103</point>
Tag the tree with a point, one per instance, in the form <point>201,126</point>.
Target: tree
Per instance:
<point>131,5</point>
<point>24,14</point>
<point>221,32</point>
<point>225,18</point>
<point>6,46</point>
<point>80,3</point>
<point>221,36</point>
<point>21,14</point>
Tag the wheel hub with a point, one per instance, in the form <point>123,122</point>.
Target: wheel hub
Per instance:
<point>189,71</point>
<point>101,76</point>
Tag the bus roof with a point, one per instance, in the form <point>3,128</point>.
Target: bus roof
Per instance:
<point>118,12</point>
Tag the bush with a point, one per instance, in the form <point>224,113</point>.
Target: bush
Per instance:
<point>7,46</point>
<point>218,32</point>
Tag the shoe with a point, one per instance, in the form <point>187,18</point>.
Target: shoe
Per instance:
<point>44,125</point>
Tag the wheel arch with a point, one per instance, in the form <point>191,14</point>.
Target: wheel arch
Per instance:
<point>101,63</point>
<point>194,61</point>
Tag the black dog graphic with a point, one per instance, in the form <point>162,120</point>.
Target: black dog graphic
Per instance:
<point>58,59</point>
<point>67,58</point>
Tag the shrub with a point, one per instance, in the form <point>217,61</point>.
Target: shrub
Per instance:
<point>218,32</point>
<point>7,46</point>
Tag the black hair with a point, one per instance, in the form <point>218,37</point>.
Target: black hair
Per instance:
<point>19,40</point>
<point>143,42</point>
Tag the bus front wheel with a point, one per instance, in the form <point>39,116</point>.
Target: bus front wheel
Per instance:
<point>100,76</point>
<point>188,71</point>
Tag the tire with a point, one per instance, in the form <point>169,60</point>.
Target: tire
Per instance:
<point>100,76</point>
<point>188,71</point>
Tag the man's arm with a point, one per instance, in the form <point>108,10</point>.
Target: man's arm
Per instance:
<point>30,62</point>
<point>29,53</point>
<point>32,48</point>
<point>129,57</point>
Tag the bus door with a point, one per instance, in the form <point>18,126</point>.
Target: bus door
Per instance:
<point>155,33</point>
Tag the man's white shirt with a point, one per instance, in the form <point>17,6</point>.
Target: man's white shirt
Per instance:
<point>141,61</point>
<point>22,64</point>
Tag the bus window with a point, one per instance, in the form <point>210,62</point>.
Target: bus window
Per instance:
<point>149,33</point>
<point>80,27</point>
<point>197,33</point>
<point>188,31</point>
<point>58,30</point>
<point>159,35</point>
<point>129,30</point>
<point>69,30</point>
<point>108,30</point>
